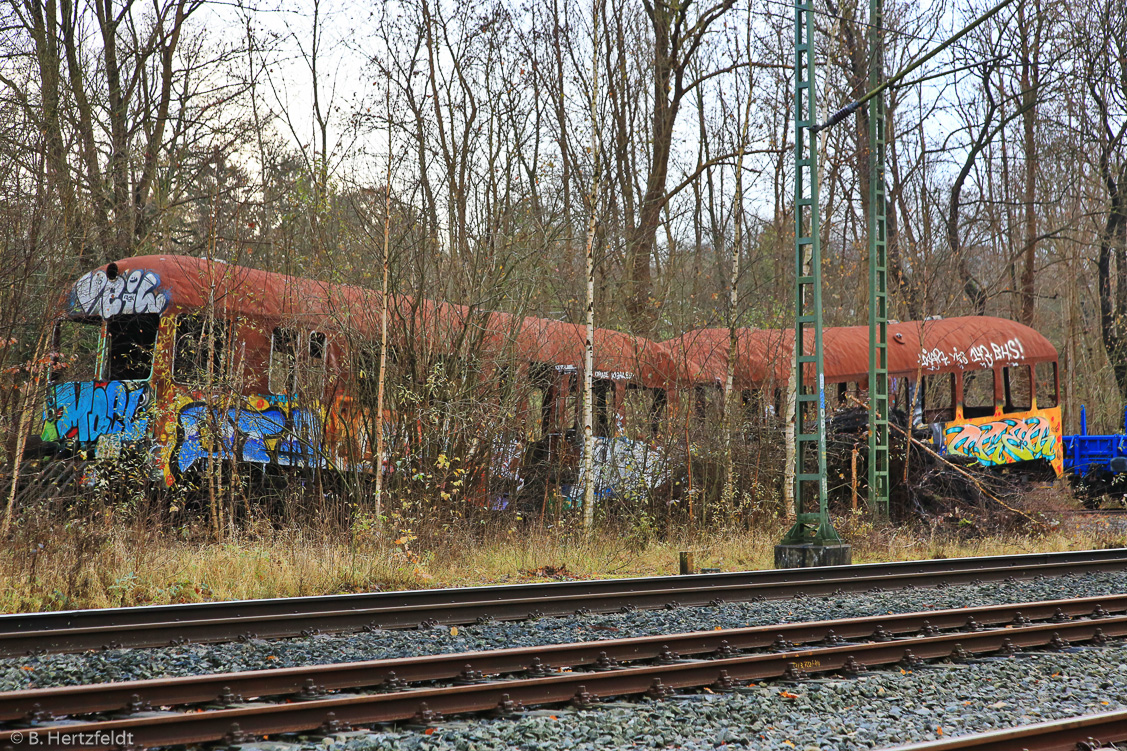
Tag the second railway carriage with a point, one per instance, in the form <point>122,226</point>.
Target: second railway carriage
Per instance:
<point>186,360</point>
<point>988,388</point>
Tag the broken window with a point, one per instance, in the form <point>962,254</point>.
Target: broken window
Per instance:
<point>366,373</point>
<point>753,408</point>
<point>78,343</point>
<point>283,361</point>
<point>708,406</point>
<point>642,411</point>
<point>538,413</point>
<point>197,337</point>
<point>129,346</point>
<point>1047,386</point>
<point>901,390</point>
<point>938,397</point>
<point>978,393</point>
<point>602,418</point>
<point>570,417</point>
<point>1019,388</point>
<point>535,414</point>
<point>297,362</point>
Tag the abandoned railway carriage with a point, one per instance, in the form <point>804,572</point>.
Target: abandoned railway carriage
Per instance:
<point>988,388</point>
<point>186,359</point>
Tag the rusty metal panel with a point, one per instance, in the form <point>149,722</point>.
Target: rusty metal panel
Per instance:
<point>938,346</point>
<point>183,284</point>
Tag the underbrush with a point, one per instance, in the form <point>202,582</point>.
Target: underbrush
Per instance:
<point>107,562</point>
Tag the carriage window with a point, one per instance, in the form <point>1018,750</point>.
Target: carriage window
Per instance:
<point>283,361</point>
<point>196,337</point>
<point>541,392</point>
<point>536,416</point>
<point>129,345</point>
<point>1019,389</point>
<point>1047,393</point>
<point>604,407</point>
<point>78,344</point>
<point>366,369</point>
<point>311,378</point>
<point>366,374</point>
<point>642,411</point>
<point>298,369</point>
<point>571,417</point>
<point>978,393</point>
<point>708,406</point>
<point>754,407</point>
<point>939,397</point>
<point>901,390</point>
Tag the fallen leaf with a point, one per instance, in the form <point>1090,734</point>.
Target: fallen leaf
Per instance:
<point>788,695</point>
<point>428,731</point>
<point>453,630</point>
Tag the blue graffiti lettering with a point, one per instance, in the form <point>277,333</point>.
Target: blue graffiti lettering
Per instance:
<point>298,448</point>
<point>245,432</point>
<point>84,410</point>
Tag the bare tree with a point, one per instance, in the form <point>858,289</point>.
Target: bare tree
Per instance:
<point>119,93</point>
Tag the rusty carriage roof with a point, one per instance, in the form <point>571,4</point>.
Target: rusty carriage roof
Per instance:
<point>942,345</point>
<point>618,356</point>
<point>185,284</point>
<point>764,356</point>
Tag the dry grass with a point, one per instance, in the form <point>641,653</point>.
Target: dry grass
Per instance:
<point>77,568</point>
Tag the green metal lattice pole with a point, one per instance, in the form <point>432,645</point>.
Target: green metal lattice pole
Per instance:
<point>878,273</point>
<point>811,527</point>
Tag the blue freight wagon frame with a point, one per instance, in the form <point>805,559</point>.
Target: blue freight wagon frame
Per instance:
<point>1086,454</point>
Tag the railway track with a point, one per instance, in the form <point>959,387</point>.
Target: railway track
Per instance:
<point>164,625</point>
<point>426,688</point>
<point>1083,733</point>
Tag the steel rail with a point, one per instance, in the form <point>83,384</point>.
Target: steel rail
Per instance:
<point>225,621</point>
<point>428,704</point>
<point>313,679</point>
<point>1070,734</point>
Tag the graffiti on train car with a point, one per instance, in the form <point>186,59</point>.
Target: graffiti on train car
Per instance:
<point>262,430</point>
<point>1008,440</point>
<point>982,355</point>
<point>136,291</point>
<point>623,468</point>
<point>85,410</point>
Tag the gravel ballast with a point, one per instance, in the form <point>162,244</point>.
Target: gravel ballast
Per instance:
<point>878,710</point>
<point>138,664</point>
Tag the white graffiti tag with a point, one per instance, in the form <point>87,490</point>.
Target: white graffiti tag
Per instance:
<point>136,291</point>
<point>983,355</point>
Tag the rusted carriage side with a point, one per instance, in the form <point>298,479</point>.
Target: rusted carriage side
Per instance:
<point>183,366</point>
<point>988,386</point>
<point>630,409</point>
<point>188,351</point>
